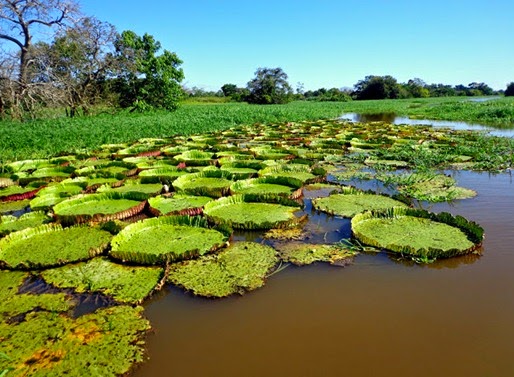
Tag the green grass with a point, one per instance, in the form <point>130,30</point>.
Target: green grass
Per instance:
<point>48,137</point>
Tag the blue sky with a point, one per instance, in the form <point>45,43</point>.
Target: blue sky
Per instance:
<point>326,43</point>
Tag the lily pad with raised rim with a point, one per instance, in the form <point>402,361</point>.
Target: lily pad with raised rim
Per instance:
<point>178,204</point>
<point>213,183</point>
<point>165,239</point>
<point>10,224</point>
<point>418,233</point>
<point>100,207</point>
<point>51,245</point>
<point>351,201</point>
<point>250,212</point>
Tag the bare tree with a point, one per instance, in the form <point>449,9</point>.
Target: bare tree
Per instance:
<point>18,21</point>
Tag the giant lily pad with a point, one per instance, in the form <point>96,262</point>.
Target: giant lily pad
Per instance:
<point>264,186</point>
<point>241,267</point>
<point>51,245</point>
<point>164,239</point>
<point>350,202</point>
<point>417,233</point>
<point>247,212</point>
<point>100,207</point>
<point>178,204</point>
<point>147,189</point>
<point>10,224</point>
<point>127,284</point>
<point>13,193</point>
<point>211,183</point>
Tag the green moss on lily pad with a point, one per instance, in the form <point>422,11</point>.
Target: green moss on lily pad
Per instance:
<point>100,207</point>
<point>418,233</point>
<point>51,245</point>
<point>12,303</point>
<point>241,267</point>
<point>164,239</point>
<point>302,254</point>
<point>105,343</point>
<point>10,224</point>
<point>350,202</point>
<point>178,204</point>
<point>126,284</point>
<point>244,212</point>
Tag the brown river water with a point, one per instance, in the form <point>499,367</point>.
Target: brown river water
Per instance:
<point>376,317</point>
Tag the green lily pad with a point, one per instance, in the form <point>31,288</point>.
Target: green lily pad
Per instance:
<point>147,189</point>
<point>240,268</point>
<point>100,207</point>
<point>51,245</point>
<point>105,343</point>
<point>10,224</point>
<point>350,202</point>
<point>126,284</point>
<point>302,254</point>
<point>245,212</point>
<point>417,233</point>
<point>296,172</point>
<point>13,193</point>
<point>195,158</point>
<point>12,303</point>
<point>14,206</point>
<point>211,183</point>
<point>164,239</point>
<point>178,204</point>
<point>263,186</point>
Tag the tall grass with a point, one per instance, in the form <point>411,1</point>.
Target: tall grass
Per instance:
<point>49,137</point>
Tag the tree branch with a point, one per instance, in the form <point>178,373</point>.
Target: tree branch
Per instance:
<point>12,39</point>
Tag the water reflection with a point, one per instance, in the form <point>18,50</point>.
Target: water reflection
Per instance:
<point>394,119</point>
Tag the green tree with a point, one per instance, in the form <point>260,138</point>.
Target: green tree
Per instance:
<point>377,87</point>
<point>509,92</point>
<point>148,80</point>
<point>269,86</point>
<point>229,89</point>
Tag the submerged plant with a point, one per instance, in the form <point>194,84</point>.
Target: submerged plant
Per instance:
<point>241,267</point>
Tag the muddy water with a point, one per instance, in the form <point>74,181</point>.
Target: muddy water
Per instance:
<point>378,317</point>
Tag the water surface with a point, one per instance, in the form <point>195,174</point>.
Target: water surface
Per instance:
<point>378,317</point>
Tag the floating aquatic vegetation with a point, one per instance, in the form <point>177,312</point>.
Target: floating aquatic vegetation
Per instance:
<point>51,245</point>
<point>178,204</point>
<point>56,173</point>
<point>165,239</point>
<point>99,207</point>
<point>431,187</point>
<point>13,303</point>
<point>13,193</point>
<point>265,186</point>
<point>299,172</point>
<point>351,201</point>
<point>252,212</point>
<point>302,254</point>
<point>295,233</point>
<point>213,183</point>
<point>195,158</point>
<point>417,233</point>
<point>104,343</point>
<point>239,268</point>
<point>13,206</point>
<point>133,186</point>
<point>127,284</point>
<point>10,224</point>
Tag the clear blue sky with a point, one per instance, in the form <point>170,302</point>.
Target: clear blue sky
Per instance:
<point>326,43</point>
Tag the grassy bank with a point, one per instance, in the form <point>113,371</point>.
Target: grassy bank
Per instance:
<point>43,138</point>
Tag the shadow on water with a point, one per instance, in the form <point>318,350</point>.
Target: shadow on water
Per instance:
<point>394,119</point>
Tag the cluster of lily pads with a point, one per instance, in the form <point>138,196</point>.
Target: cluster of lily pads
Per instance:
<point>126,220</point>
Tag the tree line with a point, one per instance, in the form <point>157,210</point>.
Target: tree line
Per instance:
<point>83,63</point>
<point>52,56</point>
